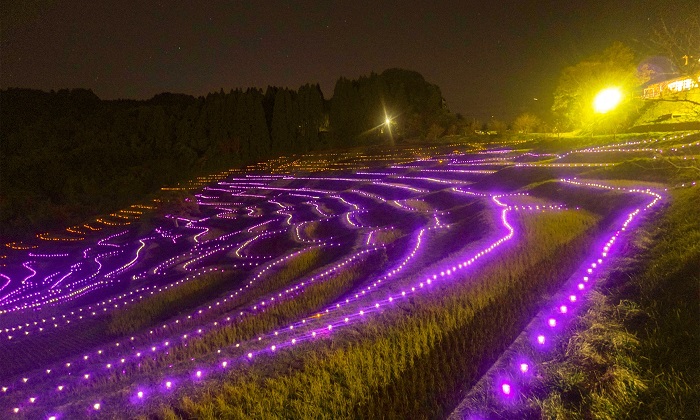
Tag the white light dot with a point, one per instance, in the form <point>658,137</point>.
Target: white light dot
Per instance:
<point>506,389</point>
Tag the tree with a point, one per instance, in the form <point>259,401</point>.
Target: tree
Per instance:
<point>343,113</point>
<point>527,123</point>
<point>413,105</point>
<point>469,126</point>
<point>311,117</point>
<point>259,133</point>
<point>578,85</point>
<point>284,123</point>
<point>497,125</point>
<point>680,42</point>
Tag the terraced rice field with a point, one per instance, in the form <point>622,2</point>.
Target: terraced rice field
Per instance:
<point>400,274</point>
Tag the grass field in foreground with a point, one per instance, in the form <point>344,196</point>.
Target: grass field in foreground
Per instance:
<point>635,355</point>
<point>410,363</point>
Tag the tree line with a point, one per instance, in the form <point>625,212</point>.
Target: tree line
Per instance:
<point>67,155</point>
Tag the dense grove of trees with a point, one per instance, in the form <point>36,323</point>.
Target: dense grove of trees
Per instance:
<point>359,107</point>
<point>67,155</point>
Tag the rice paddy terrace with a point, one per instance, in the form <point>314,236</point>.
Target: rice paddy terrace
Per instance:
<point>347,284</point>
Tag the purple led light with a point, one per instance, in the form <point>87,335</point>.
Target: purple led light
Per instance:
<point>506,389</point>
<point>563,309</point>
<point>243,248</point>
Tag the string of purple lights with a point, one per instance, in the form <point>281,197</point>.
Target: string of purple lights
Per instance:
<point>55,287</point>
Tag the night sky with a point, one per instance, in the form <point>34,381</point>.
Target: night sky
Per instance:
<point>490,58</point>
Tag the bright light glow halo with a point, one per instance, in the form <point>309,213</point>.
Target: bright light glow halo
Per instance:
<point>607,99</point>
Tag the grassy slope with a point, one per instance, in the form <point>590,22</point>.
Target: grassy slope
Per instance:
<point>636,353</point>
<point>645,345</point>
<point>410,362</point>
<point>658,112</point>
<point>167,304</point>
<point>314,297</point>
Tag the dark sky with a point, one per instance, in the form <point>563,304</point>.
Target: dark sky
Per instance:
<point>490,57</point>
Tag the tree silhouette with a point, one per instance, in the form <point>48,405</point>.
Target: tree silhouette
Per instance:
<point>67,155</point>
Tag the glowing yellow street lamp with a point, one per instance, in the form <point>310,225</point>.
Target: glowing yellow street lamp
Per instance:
<point>606,100</point>
<point>387,126</point>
